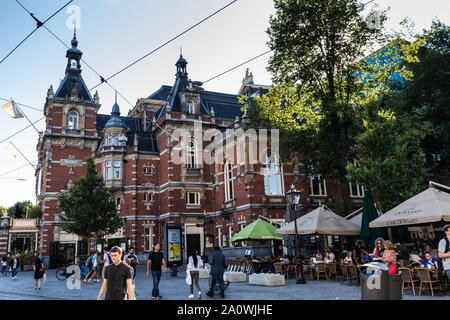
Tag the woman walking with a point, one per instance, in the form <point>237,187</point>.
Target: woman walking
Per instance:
<point>39,271</point>
<point>194,264</point>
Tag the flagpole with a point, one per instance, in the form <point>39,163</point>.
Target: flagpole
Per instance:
<point>14,104</point>
<point>22,155</point>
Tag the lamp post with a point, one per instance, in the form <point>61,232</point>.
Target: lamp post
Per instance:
<point>293,197</point>
<point>204,231</point>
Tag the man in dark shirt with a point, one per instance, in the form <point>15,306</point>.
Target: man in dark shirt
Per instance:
<point>118,280</point>
<point>133,258</point>
<point>156,259</point>
<point>217,269</point>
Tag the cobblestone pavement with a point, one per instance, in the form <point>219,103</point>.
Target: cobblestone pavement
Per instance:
<point>175,288</point>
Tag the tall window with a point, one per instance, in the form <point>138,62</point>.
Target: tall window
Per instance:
<point>73,120</point>
<point>148,239</point>
<point>228,177</point>
<point>356,190</point>
<point>108,170</point>
<point>317,186</point>
<point>193,198</point>
<point>191,154</point>
<point>189,106</point>
<point>148,196</point>
<point>230,234</point>
<point>116,170</point>
<point>219,236</point>
<point>273,180</point>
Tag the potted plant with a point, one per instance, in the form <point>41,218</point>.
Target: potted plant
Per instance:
<point>402,254</point>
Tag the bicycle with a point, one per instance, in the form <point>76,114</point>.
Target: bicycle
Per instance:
<point>62,274</point>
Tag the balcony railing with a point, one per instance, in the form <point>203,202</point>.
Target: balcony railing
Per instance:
<point>73,131</point>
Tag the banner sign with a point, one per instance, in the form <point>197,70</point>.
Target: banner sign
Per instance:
<point>173,245</point>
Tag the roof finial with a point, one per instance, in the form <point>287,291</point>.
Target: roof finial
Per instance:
<point>116,96</point>
<point>181,51</point>
<point>75,29</point>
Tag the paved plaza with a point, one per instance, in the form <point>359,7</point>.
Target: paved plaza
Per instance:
<point>172,288</point>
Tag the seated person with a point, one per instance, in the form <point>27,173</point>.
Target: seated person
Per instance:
<point>318,256</point>
<point>379,249</point>
<point>348,260</point>
<point>254,259</point>
<point>328,258</point>
<point>390,257</point>
<point>273,258</point>
<point>284,259</point>
<point>429,262</point>
<point>433,252</point>
<point>414,257</point>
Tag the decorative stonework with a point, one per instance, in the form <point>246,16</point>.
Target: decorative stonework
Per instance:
<point>71,163</point>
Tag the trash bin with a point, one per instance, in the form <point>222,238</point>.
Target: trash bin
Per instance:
<point>395,286</point>
<point>378,284</point>
<point>374,281</point>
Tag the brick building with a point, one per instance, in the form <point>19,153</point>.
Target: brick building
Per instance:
<point>156,165</point>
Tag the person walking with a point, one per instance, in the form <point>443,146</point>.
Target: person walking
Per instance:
<point>118,278</point>
<point>134,260</point>
<point>4,265</point>
<point>127,261</point>
<point>94,271</point>
<point>218,267</point>
<point>156,260</point>
<point>39,271</point>
<point>106,261</point>
<point>14,264</point>
<point>444,250</point>
<point>194,264</point>
<point>89,264</point>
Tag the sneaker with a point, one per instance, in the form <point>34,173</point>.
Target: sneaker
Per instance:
<point>199,295</point>
<point>191,296</point>
<point>84,280</point>
<point>158,298</point>
<point>153,298</point>
<point>222,295</point>
<point>210,294</point>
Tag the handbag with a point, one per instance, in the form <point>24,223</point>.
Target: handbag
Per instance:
<point>188,278</point>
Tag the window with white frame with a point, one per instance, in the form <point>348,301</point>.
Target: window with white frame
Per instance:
<point>193,198</point>
<point>73,120</point>
<point>148,239</point>
<point>230,234</point>
<point>108,170</point>
<point>148,170</point>
<point>317,186</point>
<point>191,153</point>
<point>148,196</point>
<point>116,170</point>
<point>273,178</point>
<point>189,106</point>
<point>228,178</point>
<point>118,201</point>
<point>356,190</point>
<point>219,237</point>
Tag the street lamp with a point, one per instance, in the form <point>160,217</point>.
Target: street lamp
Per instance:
<point>204,231</point>
<point>293,197</point>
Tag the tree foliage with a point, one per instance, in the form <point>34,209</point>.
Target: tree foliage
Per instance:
<point>88,207</point>
<point>19,209</point>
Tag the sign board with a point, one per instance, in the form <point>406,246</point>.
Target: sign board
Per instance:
<point>24,224</point>
<point>173,245</point>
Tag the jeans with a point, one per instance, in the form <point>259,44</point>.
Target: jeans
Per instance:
<point>448,273</point>
<point>156,276</point>
<point>4,270</point>
<point>13,272</point>
<point>194,278</point>
<point>217,276</point>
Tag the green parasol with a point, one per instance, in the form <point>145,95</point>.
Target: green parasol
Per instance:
<point>369,235</point>
<point>257,230</point>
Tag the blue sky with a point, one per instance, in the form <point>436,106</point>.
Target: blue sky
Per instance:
<point>114,33</point>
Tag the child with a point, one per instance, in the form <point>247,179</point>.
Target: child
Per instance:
<point>127,261</point>
<point>4,264</point>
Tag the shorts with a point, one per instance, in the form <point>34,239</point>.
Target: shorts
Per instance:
<point>95,269</point>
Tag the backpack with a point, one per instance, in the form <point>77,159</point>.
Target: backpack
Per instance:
<point>447,245</point>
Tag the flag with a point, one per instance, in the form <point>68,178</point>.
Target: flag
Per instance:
<point>10,148</point>
<point>11,109</point>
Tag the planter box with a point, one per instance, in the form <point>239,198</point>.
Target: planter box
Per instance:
<point>235,276</point>
<point>28,267</point>
<point>266,279</point>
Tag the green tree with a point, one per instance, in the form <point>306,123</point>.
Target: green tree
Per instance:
<point>89,211</point>
<point>35,212</point>
<point>19,209</point>
<point>2,210</point>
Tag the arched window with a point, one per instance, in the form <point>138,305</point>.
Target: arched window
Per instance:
<point>228,178</point>
<point>189,106</point>
<point>273,179</point>
<point>73,120</point>
<point>191,153</point>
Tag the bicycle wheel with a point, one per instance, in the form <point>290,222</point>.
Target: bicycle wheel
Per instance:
<point>61,274</point>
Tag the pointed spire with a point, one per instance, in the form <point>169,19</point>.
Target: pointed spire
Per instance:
<point>116,109</point>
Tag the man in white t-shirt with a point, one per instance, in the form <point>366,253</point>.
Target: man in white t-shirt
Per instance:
<point>106,261</point>
<point>444,250</point>
<point>14,265</point>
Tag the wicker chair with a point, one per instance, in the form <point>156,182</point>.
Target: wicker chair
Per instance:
<point>425,279</point>
<point>344,272</point>
<point>353,274</point>
<point>408,279</point>
<point>279,268</point>
<point>308,271</point>
<point>331,268</point>
<point>321,268</point>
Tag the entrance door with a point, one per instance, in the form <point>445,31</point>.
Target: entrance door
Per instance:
<point>193,243</point>
<point>277,247</point>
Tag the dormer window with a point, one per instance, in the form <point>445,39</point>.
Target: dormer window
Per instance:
<point>73,120</point>
<point>189,106</point>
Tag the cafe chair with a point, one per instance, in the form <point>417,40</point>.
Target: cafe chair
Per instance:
<point>427,281</point>
<point>331,268</point>
<point>344,272</point>
<point>321,268</point>
<point>308,271</point>
<point>279,268</point>
<point>353,274</point>
<point>408,280</point>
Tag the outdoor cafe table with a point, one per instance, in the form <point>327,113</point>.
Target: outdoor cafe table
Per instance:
<point>263,266</point>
